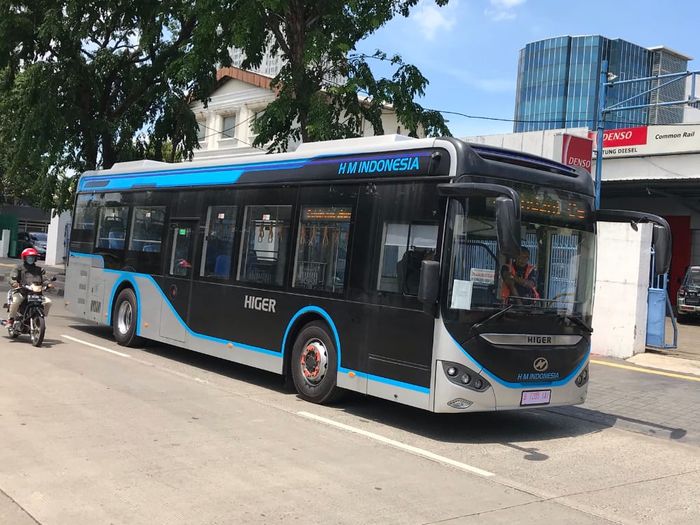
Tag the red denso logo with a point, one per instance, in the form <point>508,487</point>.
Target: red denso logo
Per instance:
<point>625,137</point>
<point>579,163</point>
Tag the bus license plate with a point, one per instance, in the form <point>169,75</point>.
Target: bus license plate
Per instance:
<point>535,397</point>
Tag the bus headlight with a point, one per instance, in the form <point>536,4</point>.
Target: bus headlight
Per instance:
<point>464,376</point>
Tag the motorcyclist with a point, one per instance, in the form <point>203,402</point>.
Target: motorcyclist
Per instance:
<point>24,274</point>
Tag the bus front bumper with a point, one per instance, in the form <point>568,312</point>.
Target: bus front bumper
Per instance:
<point>452,398</point>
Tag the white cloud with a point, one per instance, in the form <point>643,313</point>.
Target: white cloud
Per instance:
<point>502,9</point>
<point>432,19</point>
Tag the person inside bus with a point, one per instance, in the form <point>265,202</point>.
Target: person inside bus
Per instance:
<point>519,278</point>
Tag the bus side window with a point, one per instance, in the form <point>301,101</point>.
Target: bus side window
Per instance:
<point>147,229</point>
<point>404,248</point>
<point>82,237</point>
<point>111,231</point>
<point>217,246</point>
<point>264,247</point>
<point>322,248</point>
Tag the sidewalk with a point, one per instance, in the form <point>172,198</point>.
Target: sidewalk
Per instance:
<point>644,401</point>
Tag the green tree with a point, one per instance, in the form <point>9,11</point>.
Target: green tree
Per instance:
<point>87,83</point>
<point>323,75</point>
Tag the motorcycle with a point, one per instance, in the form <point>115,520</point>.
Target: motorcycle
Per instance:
<point>30,317</point>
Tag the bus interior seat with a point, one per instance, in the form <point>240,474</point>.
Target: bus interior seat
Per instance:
<point>116,239</point>
<point>222,266</point>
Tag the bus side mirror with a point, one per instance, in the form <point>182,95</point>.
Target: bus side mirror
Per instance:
<point>429,285</point>
<point>508,227</point>
<point>661,240</point>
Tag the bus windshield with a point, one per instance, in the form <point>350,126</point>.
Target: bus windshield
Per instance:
<point>554,271</point>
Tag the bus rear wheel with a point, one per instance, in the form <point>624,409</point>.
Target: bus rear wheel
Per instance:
<point>315,364</point>
<point>124,317</point>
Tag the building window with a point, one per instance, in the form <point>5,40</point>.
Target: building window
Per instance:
<point>322,248</point>
<point>264,248</point>
<point>218,242</point>
<point>201,132</point>
<point>147,229</point>
<point>229,127</point>
<point>252,134</point>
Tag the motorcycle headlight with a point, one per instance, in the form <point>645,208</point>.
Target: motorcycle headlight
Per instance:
<point>36,288</point>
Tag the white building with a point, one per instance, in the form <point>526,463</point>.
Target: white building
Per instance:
<point>225,124</point>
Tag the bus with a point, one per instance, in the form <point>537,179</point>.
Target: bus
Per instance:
<point>390,266</point>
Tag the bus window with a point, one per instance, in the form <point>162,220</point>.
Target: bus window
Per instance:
<point>112,227</point>
<point>83,231</point>
<point>264,247</point>
<point>217,246</point>
<point>404,247</point>
<point>322,245</point>
<point>147,229</point>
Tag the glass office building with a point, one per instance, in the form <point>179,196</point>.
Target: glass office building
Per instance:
<point>559,82</point>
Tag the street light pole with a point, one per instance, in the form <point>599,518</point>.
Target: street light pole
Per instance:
<point>602,94</point>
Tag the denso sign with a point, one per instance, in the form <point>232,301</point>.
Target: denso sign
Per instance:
<point>625,137</point>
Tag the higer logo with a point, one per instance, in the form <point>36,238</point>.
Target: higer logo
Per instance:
<point>263,304</point>
<point>540,364</point>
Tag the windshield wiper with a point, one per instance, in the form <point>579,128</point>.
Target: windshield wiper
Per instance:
<point>491,318</point>
<point>578,322</point>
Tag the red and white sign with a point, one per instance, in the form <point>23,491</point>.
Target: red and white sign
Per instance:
<point>650,140</point>
<point>613,138</point>
<point>575,151</point>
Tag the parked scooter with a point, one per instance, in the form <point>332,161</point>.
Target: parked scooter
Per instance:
<point>30,317</point>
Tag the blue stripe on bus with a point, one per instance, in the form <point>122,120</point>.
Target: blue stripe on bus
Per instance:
<point>213,175</point>
<point>127,276</point>
<point>508,384</point>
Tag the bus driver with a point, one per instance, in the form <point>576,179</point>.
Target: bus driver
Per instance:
<point>519,278</point>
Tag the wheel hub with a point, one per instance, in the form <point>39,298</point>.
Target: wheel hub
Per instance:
<point>314,362</point>
<point>124,317</point>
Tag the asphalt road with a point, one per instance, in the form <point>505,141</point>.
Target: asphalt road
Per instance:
<point>103,434</point>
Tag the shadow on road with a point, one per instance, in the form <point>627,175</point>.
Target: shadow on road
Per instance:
<point>507,428</point>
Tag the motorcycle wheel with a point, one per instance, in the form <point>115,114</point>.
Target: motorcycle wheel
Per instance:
<point>37,329</point>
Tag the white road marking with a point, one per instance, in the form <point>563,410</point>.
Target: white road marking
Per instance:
<point>397,444</point>
<point>92,345</point>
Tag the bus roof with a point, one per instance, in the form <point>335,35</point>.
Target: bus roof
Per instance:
<point>380,156</point>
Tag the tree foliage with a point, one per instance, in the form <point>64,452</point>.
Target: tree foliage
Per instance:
<point>323,74</point>
<point>87,83</point>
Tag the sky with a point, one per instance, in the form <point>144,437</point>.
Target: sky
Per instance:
<point>468,49</point>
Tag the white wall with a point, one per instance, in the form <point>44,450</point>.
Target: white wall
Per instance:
<point>56,238</point>
<point>622,281</point>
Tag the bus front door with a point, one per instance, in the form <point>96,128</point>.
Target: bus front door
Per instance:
<point>177,279</point>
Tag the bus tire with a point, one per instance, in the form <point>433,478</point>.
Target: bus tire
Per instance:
<point>124,318</point>
<point>315,364</point>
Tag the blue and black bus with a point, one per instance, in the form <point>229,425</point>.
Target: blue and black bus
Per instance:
<point>448,276</point>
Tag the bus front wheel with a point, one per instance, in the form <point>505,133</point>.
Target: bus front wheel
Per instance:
<point>124,318</point>
<point>315,364</point>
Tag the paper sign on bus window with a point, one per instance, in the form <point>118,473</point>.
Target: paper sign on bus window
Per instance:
<point>482,275</point>
<point>462,294</point>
